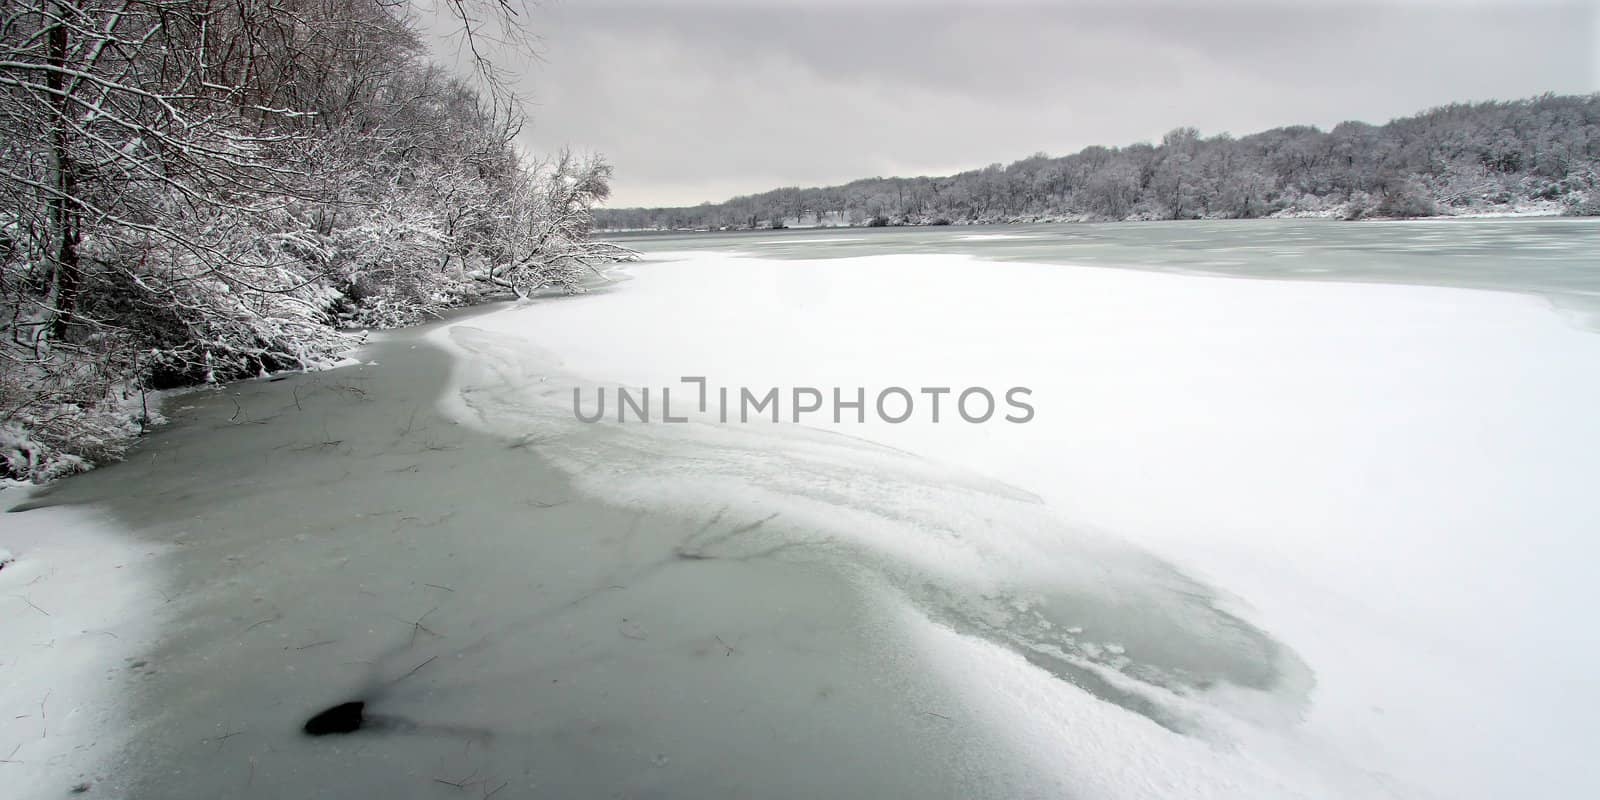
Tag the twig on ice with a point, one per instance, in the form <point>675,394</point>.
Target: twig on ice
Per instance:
<point>411,421</point>
<point>623,629</point>
<point>416,625</point>
<point>415,669</point>
<point>25,599</point>
<point>259,623</point>
<point>461,784</point>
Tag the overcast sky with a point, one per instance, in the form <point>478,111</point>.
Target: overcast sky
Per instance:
<point>701,100</point>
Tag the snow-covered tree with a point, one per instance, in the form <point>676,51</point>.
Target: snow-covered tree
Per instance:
<point>1464,156</point>
<point>546,228</point>
<point>195,192</point>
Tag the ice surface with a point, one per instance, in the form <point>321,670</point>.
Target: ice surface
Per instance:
<point>78,603</point>
<point>975,554</point>
<point>1393,481</point>
<point>1263,539</point>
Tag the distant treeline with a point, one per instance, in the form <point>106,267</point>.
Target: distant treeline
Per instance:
<point>1541,153</point>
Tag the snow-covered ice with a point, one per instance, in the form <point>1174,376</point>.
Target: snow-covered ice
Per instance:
<point>78,603</point>
<point>1391,481</point>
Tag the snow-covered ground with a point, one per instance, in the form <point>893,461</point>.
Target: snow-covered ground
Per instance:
<point>1393,482</point>
<point>77,605</point>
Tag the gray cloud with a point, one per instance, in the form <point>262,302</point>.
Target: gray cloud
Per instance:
<point>696,101</point>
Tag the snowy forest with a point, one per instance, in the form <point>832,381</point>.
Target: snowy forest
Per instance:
<point>1537,154</point>
<point>194,192</point>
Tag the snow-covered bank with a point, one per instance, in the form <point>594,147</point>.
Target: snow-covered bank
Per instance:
<point>77,606</point>
<point>1391,480</point>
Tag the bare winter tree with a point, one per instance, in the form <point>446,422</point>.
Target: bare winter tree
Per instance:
<point>193,191</point>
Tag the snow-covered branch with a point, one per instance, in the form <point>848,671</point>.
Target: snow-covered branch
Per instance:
<point>193,192</point>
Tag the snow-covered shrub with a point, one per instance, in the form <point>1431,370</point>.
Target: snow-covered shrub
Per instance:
<point>1359,205</point>
<point>1581,204</point>
<point>41,452</point>
<point>1405,201</point>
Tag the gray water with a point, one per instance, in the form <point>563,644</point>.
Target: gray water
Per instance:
<point>336,537</point>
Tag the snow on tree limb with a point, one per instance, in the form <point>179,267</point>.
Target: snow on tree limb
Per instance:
<point>194,193</point>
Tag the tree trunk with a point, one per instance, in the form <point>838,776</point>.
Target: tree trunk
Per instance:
<point>65,274</point>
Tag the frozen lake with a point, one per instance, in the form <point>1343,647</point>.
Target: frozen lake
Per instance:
<point>1305,509</point>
